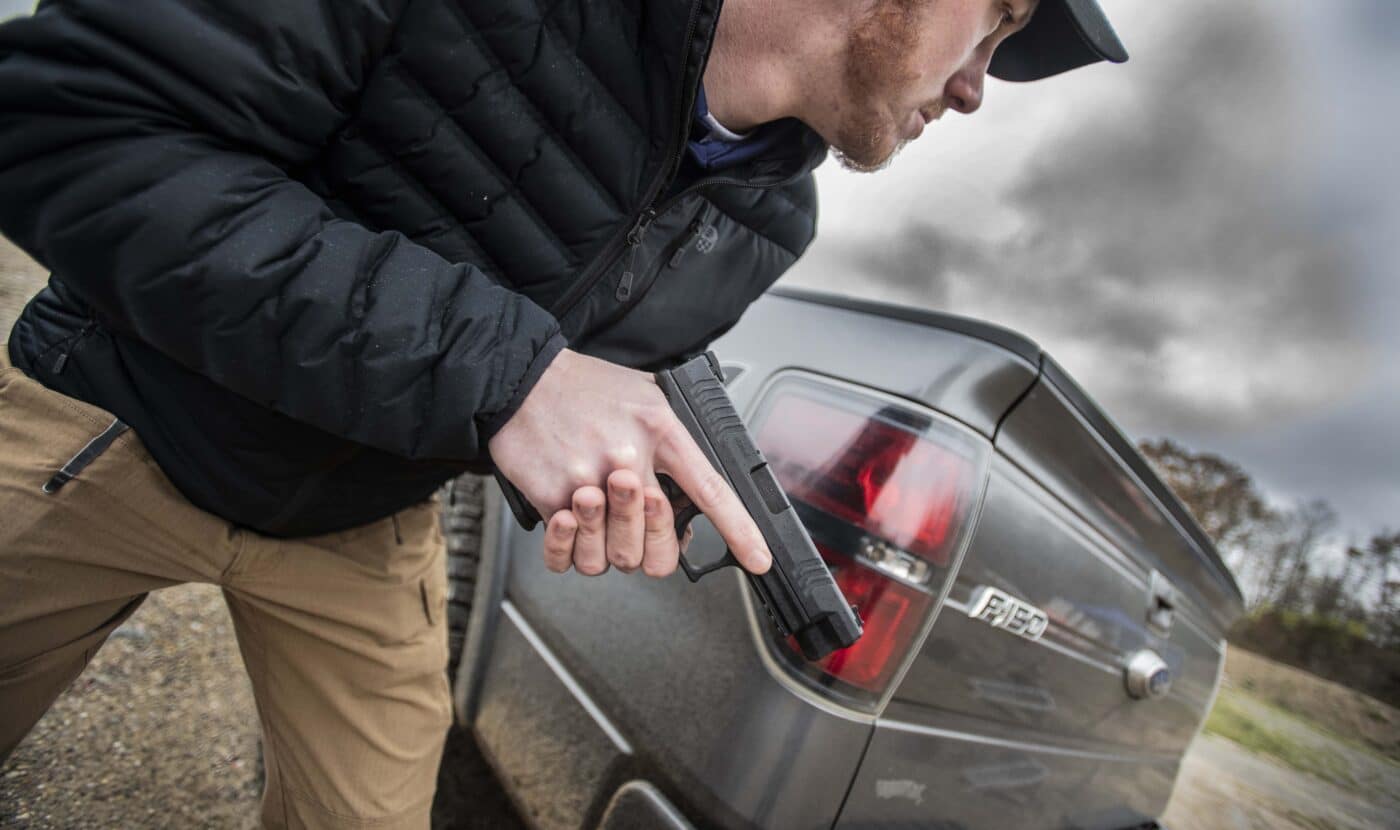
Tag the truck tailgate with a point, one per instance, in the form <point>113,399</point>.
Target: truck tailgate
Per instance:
<point>989,728</point>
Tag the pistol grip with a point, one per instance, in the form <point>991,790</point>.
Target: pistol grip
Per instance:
<point>525,513</point>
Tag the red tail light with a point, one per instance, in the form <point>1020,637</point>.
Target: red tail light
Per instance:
<point>887,491</point>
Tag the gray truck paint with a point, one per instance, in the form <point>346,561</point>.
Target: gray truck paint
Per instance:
<point>588,687</point>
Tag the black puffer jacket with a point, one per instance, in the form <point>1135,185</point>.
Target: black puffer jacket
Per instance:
<point>316,253</point>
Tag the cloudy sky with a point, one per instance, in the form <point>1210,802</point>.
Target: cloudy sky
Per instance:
<point>1204,237</point>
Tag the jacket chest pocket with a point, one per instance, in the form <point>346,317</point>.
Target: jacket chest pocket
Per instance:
<point>640,271</point>
<point>629,277</point>
<point>695,285</point>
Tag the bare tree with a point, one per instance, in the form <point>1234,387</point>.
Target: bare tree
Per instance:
<point>1221,496</point>
<point>1294,552</point>
<point>1335,594</point>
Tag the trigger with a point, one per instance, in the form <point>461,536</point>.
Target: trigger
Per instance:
<point>684,516</point>
<point>681,505</point>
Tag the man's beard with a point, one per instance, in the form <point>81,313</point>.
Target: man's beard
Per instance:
<point>875,67</point>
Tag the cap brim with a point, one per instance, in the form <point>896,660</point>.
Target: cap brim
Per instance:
<point>1062,35</point>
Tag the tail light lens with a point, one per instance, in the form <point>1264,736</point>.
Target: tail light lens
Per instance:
<point>888,491</point>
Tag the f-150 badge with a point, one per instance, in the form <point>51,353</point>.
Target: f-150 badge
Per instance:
<point>1000,609</point>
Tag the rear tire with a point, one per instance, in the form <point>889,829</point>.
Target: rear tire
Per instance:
<point>468,794</point>
<point>463,506</point>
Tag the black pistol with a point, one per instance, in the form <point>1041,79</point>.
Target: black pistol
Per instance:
<point>798,592</point>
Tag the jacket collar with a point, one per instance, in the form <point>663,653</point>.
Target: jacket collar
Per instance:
<point>691,26</point>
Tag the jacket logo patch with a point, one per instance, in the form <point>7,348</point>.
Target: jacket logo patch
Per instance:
<point>1001,610</point>
<point>707,239</point>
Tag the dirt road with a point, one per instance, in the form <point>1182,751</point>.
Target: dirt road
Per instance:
<point>1224,787</point>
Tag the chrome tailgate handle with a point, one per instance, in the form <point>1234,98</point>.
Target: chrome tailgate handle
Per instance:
<point>1161,603</point>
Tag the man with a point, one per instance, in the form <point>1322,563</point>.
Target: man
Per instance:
<point>310,260</point>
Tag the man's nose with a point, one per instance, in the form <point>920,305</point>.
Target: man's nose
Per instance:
<point>964,90</point>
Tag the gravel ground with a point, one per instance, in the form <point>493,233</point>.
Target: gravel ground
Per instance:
<point>1222,786</point>
<point>160,732</point>
<point>20,277</point>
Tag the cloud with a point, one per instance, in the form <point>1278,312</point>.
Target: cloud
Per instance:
<point>1148,241</point>
<point>13,8</point>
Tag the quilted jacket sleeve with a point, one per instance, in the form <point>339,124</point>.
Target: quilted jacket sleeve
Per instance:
<point>144,158</point>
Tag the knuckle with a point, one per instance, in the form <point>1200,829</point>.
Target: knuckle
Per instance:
<point>621,501</point>
<point>587,496</point>
<point>580,473</point>
<point>622,455</point>
<point>590,516</point>
<point>623,558</point>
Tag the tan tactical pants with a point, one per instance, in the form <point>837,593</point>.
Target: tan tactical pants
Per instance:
<point>344,635</point>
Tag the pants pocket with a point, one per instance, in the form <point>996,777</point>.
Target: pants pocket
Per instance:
<point>85,456</point>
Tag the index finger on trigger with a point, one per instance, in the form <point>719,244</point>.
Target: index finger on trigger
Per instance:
<point>680,458</point>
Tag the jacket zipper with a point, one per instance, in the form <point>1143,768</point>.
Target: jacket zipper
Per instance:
<point>642,220</point>
<point>634,244</point>
<point>631,241</point>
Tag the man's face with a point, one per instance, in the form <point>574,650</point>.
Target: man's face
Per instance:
<point>907,62</point>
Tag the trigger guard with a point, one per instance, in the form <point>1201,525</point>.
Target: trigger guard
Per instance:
<point>694,574</point>
<point>684,516</point>
<point>683,519</point>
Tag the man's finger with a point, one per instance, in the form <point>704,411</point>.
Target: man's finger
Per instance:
<point>590,558</point>
<point>662,552</point>
<point>679,457</point>
<point>626,529</point>
<point>559,541</point>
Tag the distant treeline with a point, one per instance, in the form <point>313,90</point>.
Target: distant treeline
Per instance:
<point>1326,646</point>
<point>1316,600</point>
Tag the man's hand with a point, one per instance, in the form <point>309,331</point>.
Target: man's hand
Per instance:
<point>585,448</point>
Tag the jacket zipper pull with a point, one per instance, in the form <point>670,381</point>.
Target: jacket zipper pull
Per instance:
<point>61,362</point>
<point>690,233</point>
<point>634,242</point>
<point>634,236</point>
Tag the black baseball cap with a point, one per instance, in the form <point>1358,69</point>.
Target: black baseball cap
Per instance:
<point>1062,35</point>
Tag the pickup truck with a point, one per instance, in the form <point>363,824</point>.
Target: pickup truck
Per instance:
<point>1044,621</point>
